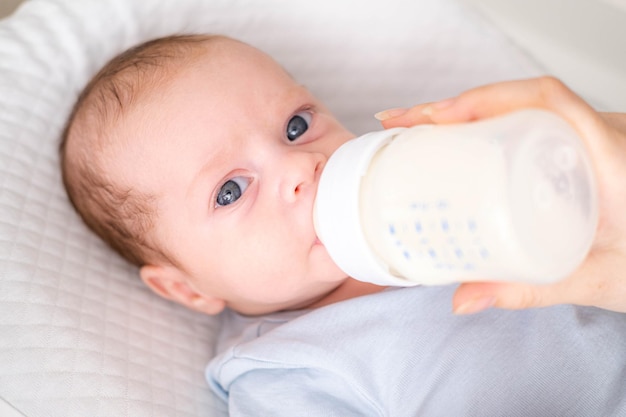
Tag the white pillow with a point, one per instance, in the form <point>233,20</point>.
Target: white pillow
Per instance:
<point>79,334</point>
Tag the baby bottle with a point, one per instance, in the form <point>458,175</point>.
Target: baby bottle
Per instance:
<point>510,198</point>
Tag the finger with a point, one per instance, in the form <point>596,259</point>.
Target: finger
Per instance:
<point>495,99</point>
<point>477,103</point>
<point>402,117</point>
<point>471,298</point>
<point>598,282</point>
<point>582,287</point>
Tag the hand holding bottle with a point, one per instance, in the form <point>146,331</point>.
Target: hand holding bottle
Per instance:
<point>601,279</point>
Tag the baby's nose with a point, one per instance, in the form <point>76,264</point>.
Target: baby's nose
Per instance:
<point>299,174</point>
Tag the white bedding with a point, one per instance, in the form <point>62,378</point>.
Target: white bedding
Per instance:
<point>79,334</point>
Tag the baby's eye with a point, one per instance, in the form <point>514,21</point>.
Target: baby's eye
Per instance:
<point>232,190</point>
<point>298,124</point>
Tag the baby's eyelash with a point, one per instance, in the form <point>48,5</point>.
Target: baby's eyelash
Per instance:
<point>298,124</point>
<point>231,191</point>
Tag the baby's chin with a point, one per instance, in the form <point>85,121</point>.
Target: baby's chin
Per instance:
<point>328,271</point>
<point>346,289</point>
<point>311,300</point>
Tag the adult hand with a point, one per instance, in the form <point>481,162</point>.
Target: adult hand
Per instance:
<point>601,279</point>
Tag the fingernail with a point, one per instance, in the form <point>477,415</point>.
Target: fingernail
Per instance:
<point>475,306</point>
<point>197,302</point>
<point>437,106</point>
<point>388,114</point>
<point>443,104</point>
<point>428,110</point>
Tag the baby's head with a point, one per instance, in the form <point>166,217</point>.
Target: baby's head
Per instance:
<point>121,215</point>
<point>197,158</point>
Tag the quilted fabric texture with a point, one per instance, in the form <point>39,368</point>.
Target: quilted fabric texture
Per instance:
<point>79,334</point>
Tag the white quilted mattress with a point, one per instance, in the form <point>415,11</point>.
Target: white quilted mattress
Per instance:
<point>79,334</point>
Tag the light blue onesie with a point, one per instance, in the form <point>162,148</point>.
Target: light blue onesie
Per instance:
<point>402,352</point>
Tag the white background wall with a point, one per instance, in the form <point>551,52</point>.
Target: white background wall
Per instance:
<point>583,42</point>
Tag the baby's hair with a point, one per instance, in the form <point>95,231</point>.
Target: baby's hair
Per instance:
<point>121,216</point>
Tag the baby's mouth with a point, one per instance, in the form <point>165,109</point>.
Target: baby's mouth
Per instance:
<point>318,173</point>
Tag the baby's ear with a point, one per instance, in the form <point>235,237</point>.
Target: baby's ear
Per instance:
<point>171,283</point>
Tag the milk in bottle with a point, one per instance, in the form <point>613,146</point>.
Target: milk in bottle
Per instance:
<point>510,198</point>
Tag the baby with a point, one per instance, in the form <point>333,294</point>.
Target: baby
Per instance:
<point>197,158</point>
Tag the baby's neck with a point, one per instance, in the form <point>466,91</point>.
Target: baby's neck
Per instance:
<point>350,288</point>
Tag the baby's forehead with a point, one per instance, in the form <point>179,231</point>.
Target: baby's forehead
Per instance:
<point>137,96</point>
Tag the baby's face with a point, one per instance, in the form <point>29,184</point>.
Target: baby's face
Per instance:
<point>233,150</point>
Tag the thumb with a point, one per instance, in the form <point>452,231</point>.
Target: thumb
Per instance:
<point>473,297</point>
